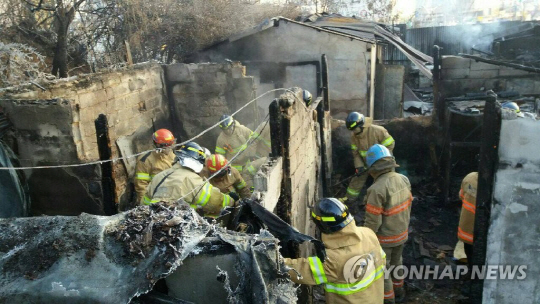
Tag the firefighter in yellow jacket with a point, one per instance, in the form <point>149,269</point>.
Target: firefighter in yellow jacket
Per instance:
<point>228,180</point>
<point>467,194</point>
<point>234,139</point>
<point>388,212</point>
<point>151,163</point>
<point>182,180</point>
<point>354,269</point>
<point>364,135</point>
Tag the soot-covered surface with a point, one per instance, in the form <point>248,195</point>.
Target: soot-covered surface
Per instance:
<point>98,259</point>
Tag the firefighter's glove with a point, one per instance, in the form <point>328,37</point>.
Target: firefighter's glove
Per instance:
<point>234,196</point>
<point>319,249</point>
<point>228,148</point>
<point>226,210</point>
<point>360,171</point>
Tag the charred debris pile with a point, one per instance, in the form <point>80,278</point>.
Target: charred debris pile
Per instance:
<point>115,259</point>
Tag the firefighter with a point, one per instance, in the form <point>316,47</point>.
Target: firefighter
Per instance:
<point>354,269</point>
<point>182,180</point>
<point>364,135</point>
<point>388,211</point>
<point>308,98</point>
<point>513,107</point>
<point>234,139</point>
<point>467,194</point>
<point>151,163</point>
<point>228,180</point>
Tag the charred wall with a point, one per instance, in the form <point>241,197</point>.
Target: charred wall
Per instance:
<point>201,93</point>
<point>56,126</point>
<point>287,54</point>
<point>463,75</point>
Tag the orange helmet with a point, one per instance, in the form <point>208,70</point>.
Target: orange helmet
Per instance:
<point>163,138</point>
<point>216,162</point>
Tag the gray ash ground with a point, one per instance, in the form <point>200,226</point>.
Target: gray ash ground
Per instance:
<point>432,238</point>
<point>45,239</point>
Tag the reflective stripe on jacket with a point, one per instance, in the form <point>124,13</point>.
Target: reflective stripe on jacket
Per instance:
<point>148,165</point>
<point>467,194</point>
<point>232,182</point>
<point>372,134</point>
<point>339,274</point>
<point>177,182</point>
<point>388,207</point>
<point>230,145</point>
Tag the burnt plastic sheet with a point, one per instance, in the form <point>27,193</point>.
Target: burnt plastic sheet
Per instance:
<point>94,259</point>
<point>263,275</point>
<point>100,259</point>
<point>283,231</point>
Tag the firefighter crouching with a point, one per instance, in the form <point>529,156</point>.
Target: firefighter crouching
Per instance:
<point>228,180</point>
<point>182,180</point>
<point>354,269</point>
<point>388,212</point>
<point>153,162</point>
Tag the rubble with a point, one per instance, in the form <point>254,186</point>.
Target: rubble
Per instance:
<point>113,259</point>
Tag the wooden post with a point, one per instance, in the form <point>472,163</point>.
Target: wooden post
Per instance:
<point>489,158</point>
<point>129,59</point>
<point>372,80</point>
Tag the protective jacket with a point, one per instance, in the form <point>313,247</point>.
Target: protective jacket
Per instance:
<point>372,134</point>
<point>468,210</point>
<point>148,165</point>
<point>232,182</point>
<point>264,147</point>
<point>230,145</point>
<point>177,182</point>
<point>388,204</point>
<point>340,274</point>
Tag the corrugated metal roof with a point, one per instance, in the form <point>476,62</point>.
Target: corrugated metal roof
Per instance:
<point>375,31</point>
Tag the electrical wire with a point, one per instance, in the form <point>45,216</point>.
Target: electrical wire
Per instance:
<point>99,162</point>
<point>248,143</point>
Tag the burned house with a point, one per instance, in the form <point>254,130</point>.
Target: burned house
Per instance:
<point>283,53</point>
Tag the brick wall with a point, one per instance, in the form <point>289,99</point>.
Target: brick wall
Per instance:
<point>464,75</point>
<point>201,93</point>
<point>56,126</point>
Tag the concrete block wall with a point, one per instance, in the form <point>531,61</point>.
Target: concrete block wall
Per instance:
<point>201,93</point>
<point>302,165</point>
<point>267,183</point>
<point>464,75</point>
<point>56,126</point>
